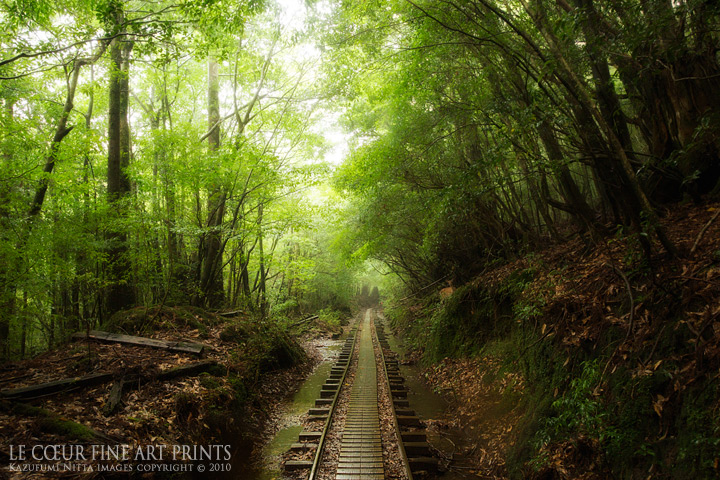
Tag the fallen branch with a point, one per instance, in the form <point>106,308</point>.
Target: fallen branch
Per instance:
<point>123,385</point>
<point>15,379</point>
<point>306,320</point>
<point>702,232</point>
<point>632,301</point>
<point>631,327</point>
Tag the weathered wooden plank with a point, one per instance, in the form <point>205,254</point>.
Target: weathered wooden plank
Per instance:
<point>303,446</point>
<point>414,436</point>
<point>410,421</point>
<point>99,335</point>
<point>293,465</point>
<point>309,436</point>
<point>56,386</point>
<point>417,449</point>
<point>423,464</point>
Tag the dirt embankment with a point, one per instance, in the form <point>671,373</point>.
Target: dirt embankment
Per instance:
<point>585,360</point>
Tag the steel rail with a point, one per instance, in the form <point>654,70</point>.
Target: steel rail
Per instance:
<point>398,433</point>
<point>321,444</point>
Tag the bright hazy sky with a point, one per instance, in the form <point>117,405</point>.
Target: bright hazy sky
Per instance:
<point>293,18</point>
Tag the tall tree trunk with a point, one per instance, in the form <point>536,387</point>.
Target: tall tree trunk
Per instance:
<point>678,85</point>
<point>23,337</point>
<point>120,293</point>
<point>608,100</point>
<point>83,266</point>
<point>211,274</point>
<point>8,278</point>
<point>538,199</point>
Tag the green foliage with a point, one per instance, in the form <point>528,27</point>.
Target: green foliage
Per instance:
<point>578,410</point>
<point>698,433</point>
<point>568,394</point>
<point>280,311</point>
<point>565,398</point>
<point>208,381</point>
<point>28,12</point>
<point>240,387</point>
<point>331,318</point>
<point>458,327</point>
<point>59,279</point>
<point>477,131</point>
<point>66,428</point>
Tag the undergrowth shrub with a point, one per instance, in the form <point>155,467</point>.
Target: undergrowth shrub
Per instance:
<point>577,411</point>
<point>330,317</point>
<point>698,424</point>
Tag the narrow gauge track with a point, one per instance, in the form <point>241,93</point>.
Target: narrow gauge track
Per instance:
<point>344,437</point>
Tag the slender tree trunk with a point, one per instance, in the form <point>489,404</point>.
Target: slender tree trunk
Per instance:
<point>575,201</point>
<point>23,337</point>
<point>175,263</point>
<point>245,274</point>
<point>61,132</point>
<point>540,203</point>
<point>608,100</point>
<point>262,296</point>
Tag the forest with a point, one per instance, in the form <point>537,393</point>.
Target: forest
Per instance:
<point>529,187</point>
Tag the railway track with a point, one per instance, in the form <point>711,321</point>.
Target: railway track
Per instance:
<point>361,427</point>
